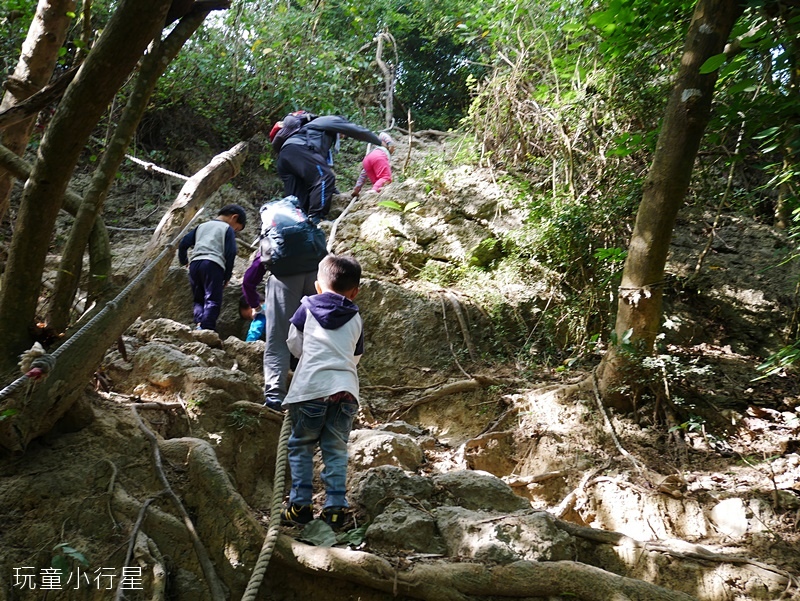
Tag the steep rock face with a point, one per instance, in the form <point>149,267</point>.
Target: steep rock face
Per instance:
<point>430,496</point>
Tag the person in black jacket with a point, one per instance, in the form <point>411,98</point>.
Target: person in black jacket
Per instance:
<point>303,166</point>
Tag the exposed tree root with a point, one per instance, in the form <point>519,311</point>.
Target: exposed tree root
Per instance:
<point>214,583</point>
<point>400,389</point>
<point>260,410</point>
<point>599,399</point>
<point>208,487</point>
<point>673,548</point>
<point>442,581</point>
<point>475,383</point>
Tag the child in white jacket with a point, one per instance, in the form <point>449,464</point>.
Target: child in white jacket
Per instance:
<point>326,334</point>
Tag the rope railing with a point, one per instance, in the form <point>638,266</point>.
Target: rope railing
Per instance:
<point>273,529</point>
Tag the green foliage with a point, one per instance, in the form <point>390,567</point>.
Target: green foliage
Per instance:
<point>320,534</point>
<point>241,419</point>
<point>779,362</point>
<point>65,559</point>
<point>6,413</point>
<point>396,206</point>
<point>15,18</point>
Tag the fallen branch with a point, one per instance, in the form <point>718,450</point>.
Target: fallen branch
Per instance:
<point>525,481</point>
<point>569,501</point>
<point>152,167</point>
<point>428,133</point>
<point>259,410</point>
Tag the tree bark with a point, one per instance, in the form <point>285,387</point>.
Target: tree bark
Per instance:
<point>78,357</point>
<point>640,297</point>
<point>29,107</point>
<point>132,27</point>
<point>153,66</point>
<point>39,54</point>
<point>388,75</point>
<point>99,244</point>
<point>445,581</point>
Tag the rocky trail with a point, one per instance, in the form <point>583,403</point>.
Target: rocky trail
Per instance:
<point>470,478</point>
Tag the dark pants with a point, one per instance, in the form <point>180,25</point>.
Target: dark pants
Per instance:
<point>306,174</point>
<point>207,279</point>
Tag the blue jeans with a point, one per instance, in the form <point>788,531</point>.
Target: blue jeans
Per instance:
<point>329,424</point>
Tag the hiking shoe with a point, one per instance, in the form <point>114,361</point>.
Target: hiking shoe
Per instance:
<point>334,517</point>
<point>297,515</point>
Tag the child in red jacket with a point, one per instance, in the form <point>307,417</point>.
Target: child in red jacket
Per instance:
<point>377,166</point>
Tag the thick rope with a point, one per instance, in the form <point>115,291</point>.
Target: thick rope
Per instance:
<point>46,362</point>
<point>274,514</point>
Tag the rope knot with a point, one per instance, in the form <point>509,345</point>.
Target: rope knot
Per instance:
<point>36,363</point>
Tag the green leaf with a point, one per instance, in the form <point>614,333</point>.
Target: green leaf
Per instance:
<point>410,206</point>
<point>353,537</point>
<point>712,64</point>
<point>6,413</point>
<point>573,28</point>
<point>318,533</point>
<point>626,337</point>
<point>390,204</point>
<point>742,86</point>
<point>62,564</point>
<point>767,133</point>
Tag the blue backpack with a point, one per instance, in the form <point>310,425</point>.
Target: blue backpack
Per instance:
<point>289,242</point>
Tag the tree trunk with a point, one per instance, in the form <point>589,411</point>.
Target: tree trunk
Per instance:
<point>388,75</point>
<point>99,244</point>
<point>153,66</point>
<point>134,25</point>
<point>78,358</point>
<point>687,113</point>
<point>35,67</point>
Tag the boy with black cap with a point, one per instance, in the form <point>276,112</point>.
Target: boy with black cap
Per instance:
<point>213,254</point>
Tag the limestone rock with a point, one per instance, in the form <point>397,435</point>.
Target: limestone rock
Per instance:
<point>476,490</point>
<point>378,486</point>
<point>371,448</point>
<point>494,537</point>
<point>402,527</point>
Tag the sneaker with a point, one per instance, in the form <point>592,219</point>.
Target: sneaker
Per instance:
<point>297,515</point>
<point>334,517</point>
